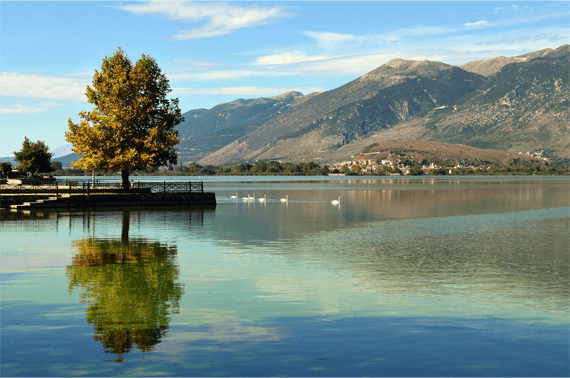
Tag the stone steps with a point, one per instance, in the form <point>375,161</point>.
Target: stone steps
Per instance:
<point>36,204</point>
<point>114,200</point>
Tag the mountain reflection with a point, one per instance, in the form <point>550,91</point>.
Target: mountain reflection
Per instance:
<point>131,287</point>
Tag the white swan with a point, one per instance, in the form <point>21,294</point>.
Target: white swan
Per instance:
<point>236,196</point>
<point>246,198</point>
<point>336,202</point>
<point>264,198</point>
<point>286,199</point>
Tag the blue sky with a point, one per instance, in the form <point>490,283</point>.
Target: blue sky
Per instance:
<point>215,52</point>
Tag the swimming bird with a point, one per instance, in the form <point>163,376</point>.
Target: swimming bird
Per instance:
<point>236,196</point>
<point>336,202</point>
<point>263,199</point>
<point>286,199</point>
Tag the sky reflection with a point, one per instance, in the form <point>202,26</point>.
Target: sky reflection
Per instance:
<point>468,284</point>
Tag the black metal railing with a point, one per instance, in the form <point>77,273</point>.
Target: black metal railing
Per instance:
<point>165,186</point>
<point>35,187</point>
<point>99,186</point>
<point>174,187</point>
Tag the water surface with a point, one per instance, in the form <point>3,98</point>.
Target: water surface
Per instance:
<point>406,277</point>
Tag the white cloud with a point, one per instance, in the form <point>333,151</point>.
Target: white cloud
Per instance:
<point>194,64</point>
<point>222,74</point>
<point>287,58</point>
<point>43,86</point>
<point>424,30</point>
<point>27,108</point>
<point>335,41</point>
<point>476,24</point>
<point>352,65</point>
<point>291,64</point>
<point>328,38</point>
<point>221,18</point>
<point>242,91</point>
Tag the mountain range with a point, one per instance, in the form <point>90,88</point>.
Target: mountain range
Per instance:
<point>510,104</point>
<point>513,104</point>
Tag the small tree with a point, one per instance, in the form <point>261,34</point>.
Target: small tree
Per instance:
<point>416,170</point>
<point>33,157</point>
<point>56,165</point>
<point>6,168</point>
<point>132,124</point>
<point>356,169</point>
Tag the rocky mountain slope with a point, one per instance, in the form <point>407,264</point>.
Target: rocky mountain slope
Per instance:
<point>204,131</point>
<point>521,106</point>
<point>524,107</point>
<point>397,91</point>
<point>489,67</point>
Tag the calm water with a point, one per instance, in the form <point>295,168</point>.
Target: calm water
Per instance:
<point>406,277</point>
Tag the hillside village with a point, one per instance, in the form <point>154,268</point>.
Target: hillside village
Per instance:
<point>398,164</point>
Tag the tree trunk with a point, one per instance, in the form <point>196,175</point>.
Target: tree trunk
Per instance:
<point>125,179</point>
<point>125,228</point>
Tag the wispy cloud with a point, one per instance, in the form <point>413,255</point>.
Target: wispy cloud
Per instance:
<point>294,64</point>
<point>288,58</point>
<point>351,65</point>
<point>27,108</point>
<point>43,86</point>
<point>243,91</point>
<point>194,64</point>
<point>528,38</point>
<point>477,24</point>
<point>329,41</point>
<point>328,38</point>
<point>221,18</point>
<point>231,72</point>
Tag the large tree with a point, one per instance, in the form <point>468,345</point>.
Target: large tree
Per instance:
<point>132,124</point>
<point>33,157</point>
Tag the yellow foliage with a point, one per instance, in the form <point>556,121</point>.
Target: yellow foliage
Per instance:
<point>132,124</point>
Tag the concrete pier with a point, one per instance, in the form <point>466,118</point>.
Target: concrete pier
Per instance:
<point>110,200</point>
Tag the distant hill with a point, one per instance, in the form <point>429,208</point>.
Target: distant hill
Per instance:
<point>446,154</point>
<point>64,160</point>
<point>62,150</point>
<point>67,159</point>
<point>8,159</point>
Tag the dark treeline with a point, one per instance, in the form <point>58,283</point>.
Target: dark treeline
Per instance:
<point>194,169</point>
<point>259,168</point>
<point>313,169</point>
<point>511,169</point>
<point>507,170</point>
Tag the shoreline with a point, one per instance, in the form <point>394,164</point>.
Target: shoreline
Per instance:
<point>20,202</point>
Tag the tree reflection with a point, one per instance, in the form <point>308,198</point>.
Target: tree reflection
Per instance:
<point>131,288</point>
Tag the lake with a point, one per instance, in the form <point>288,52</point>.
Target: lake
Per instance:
<point>442,276</point>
